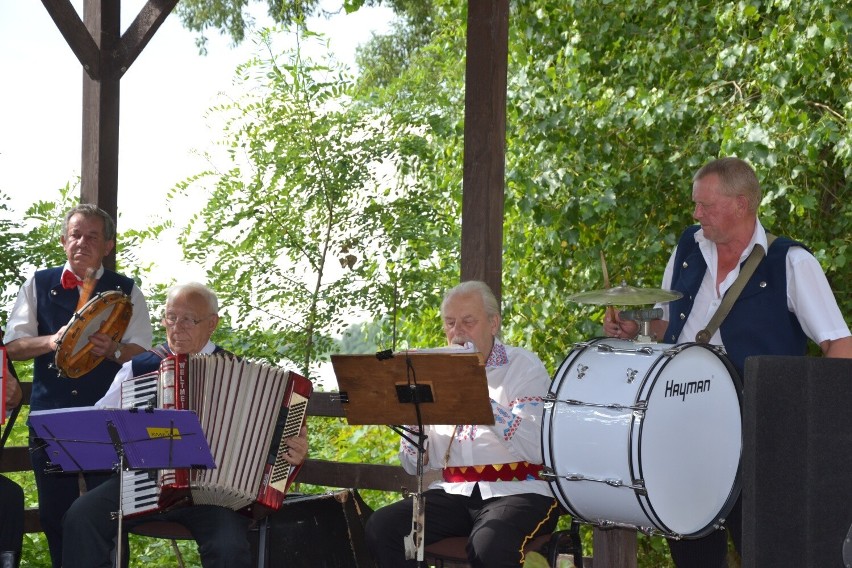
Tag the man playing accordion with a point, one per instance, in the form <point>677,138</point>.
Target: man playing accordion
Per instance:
<point>190,318</point>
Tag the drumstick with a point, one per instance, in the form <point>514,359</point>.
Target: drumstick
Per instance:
<point>88,287</point>
<point>610,311</point>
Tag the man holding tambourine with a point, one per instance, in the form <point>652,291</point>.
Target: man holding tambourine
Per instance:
<point>79,323</point>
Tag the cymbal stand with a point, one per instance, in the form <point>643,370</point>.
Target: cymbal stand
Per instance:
<point>644,319</point>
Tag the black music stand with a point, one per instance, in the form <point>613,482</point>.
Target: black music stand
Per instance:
<point>443,386</point>
<point>94,439</point>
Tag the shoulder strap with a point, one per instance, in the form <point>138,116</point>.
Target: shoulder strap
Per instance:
<point>161,351</point>
<point>757,254</point>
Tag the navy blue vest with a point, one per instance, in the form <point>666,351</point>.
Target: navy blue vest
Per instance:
<point>759,322</point>
<point>55,307</point>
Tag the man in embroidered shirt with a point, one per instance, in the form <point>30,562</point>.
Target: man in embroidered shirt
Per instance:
<point>497,515</point>
<point>786,301</point>
<point>45,305</point>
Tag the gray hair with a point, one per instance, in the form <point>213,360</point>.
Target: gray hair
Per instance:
<point>474,287</point>
<point>737,177</point>
<point>195,288</point>
<point>90,210</point>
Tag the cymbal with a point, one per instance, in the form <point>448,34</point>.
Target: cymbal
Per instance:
<point>625,295</point>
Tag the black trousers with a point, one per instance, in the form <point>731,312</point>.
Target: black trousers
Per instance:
<point>497,528</point>
<point>90,532</point>
<point>11,516</point>
<point>56,492</point>
<point>710,551</point>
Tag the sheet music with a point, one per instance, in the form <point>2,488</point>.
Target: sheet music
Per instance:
<point>468,347</point>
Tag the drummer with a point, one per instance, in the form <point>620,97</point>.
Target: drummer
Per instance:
<point>788,282</point>
<point>43,309</point>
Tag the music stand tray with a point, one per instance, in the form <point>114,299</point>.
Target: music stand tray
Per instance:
<point>449,388</point>
<point>90,439</point>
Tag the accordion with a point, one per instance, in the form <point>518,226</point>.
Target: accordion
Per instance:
<point>246,410</point>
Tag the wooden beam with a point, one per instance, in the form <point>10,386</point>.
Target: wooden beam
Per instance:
<point>325,404</point>
<point>380,477</point>
<point>76,35</point>
<point>485,142</point>
<point>143,28</point>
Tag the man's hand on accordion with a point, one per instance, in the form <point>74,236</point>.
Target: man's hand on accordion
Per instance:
<point>297,447</point>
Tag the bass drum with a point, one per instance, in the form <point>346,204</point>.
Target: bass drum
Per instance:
<point>645,436</point>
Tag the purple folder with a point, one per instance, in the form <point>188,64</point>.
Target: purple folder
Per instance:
<point>88,439</point>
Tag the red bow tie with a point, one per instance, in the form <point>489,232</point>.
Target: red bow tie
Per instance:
<point>70,280</point>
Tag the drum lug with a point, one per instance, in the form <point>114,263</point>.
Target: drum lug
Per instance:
<point>650,531</point>
<point>639,487</point>
<point>549,399</point>
<point>547,474</point>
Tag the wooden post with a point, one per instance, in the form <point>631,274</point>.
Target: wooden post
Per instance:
<point>105,56</point>
<point>485,142</point>
<point>101,98</point>
<point>614,548</point>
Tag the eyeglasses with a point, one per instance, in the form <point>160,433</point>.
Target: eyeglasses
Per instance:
<point>172,320</point>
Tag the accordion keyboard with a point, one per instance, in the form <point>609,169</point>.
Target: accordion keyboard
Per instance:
<point>140,490</point>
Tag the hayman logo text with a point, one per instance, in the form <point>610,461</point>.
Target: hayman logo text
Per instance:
<point>683,389</point>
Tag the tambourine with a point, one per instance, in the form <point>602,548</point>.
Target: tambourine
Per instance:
<point>109,313</point>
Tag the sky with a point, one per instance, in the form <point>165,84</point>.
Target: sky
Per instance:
<point>164,97</point>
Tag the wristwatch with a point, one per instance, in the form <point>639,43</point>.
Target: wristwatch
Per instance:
<point>118,348</point>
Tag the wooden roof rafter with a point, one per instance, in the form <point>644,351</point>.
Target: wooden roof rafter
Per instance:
<point>98,60</point>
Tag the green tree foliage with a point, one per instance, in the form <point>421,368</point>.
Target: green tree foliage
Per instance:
<point>234,17</point>
<point>622,103</point>
<point>30,241</point>
<point>293,224</point>
<point>611,109</point>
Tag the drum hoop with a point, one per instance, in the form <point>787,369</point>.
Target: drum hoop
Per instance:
<point>74,365</point>
<point>635,462</point>
<point>576,351</point>
<point>736,487</point>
